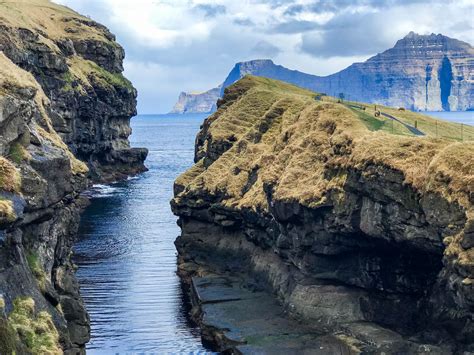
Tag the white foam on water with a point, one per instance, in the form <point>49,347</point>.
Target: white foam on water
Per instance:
<point>100,190</point>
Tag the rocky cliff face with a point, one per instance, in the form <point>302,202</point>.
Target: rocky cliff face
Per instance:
<point>422,73</point>
<point>197,102</point>
<point>366,235</point>
<point>429,73</point>
<point>64,121</point>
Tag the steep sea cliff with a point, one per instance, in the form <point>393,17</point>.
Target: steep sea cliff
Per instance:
<point>421,73</point>
<point>361,233</point>
<point>64,122</point>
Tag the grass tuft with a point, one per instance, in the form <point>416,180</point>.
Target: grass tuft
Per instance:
<point>37,269</point>
<point>18,153</point>
<point>10,180</point>
<point>36,331</point>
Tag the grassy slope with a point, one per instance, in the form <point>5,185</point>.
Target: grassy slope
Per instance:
<point>303,148</point>
<point>430,126</point>
<point>44,16</point>
<point>301,135</point>
<point>54,23</point>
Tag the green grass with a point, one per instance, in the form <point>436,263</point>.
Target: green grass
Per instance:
<point>35,330</point>
<point>7,338</point>
<point>69,79</point>
<point>114,79</point>
<point>17,153</point>
<point>37,269</point>
<point>430,126</point>
<point>380,123</point>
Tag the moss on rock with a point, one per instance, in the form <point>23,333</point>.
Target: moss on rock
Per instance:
<point>35,330</point>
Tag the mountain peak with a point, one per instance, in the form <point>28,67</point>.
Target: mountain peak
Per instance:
<point>429,43</point>
<point>252,65</point>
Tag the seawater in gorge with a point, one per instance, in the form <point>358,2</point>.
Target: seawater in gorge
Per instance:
<point>125,250</point>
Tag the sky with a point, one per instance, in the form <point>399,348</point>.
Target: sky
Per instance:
<point>191,45</point>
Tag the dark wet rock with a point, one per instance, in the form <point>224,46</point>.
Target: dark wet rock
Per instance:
<point>65,112</point>
<point>383,264</point>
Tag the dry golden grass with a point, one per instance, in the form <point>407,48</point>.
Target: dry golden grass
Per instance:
<point>13,78</point>
<point>34,329</point>
<point>6,211</point>
<point>51,21</point>
<point>283,137</point>
<point>11,74</point>
<point>10,180</point>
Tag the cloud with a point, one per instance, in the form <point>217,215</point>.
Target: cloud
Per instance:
<point>246,22</point>
<point>176,45</point>
<point>266,49</point>
<point>211,10</point>
<point>375,29</point>
<point>294,26</point>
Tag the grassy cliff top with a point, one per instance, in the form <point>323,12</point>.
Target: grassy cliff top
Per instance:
<point>51,21</point>
<point>278,134</point>
<point>13,82</point>
<point>271,136</point>
<point>82,52</point>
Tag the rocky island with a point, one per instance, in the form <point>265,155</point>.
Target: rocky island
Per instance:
<point>358,227</point>
<point>421,73</point>
<point>65,109</point>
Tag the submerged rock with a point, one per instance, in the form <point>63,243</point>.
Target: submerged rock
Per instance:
<point>358,232</point>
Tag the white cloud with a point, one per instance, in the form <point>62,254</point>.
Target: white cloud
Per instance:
<point>176,45</point>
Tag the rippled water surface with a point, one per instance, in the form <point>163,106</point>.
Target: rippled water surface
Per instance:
<point>126,255</point>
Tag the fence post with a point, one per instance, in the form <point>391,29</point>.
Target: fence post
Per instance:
<point>462,126</point>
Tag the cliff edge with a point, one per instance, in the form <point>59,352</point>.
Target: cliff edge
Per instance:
<point>65,109</point>
<point>361,225</point>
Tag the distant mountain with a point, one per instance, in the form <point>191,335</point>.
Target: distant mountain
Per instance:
<point>197,102</point>
<point>421,72</point>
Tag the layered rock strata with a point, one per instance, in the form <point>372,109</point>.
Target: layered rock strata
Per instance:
<point>367,235</point>
<point>65,109</point>
<point>421,73</point>
<point>197,102</point>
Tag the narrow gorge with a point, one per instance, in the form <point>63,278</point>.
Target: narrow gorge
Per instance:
<point>65,109</point>
<point>363,235</point>
<point>308,223</point>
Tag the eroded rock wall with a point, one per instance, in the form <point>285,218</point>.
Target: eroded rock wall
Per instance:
<point>299,199</point>
<point>65,109</point>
